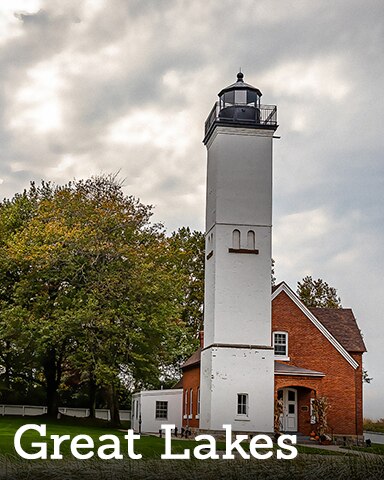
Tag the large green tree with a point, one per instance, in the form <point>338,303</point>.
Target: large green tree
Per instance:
<point>317,293</point>
<point>87,283</point>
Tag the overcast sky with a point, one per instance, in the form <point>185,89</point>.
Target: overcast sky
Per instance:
<point>100,86</point>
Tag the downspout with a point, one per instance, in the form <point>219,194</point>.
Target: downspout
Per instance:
<point>356,407</point>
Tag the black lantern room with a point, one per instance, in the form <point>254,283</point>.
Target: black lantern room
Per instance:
<point>240,101</point>
<point>239,105</point>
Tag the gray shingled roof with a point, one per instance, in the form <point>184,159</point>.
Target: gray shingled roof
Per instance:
<point>341,323</point>
<point>194,359</point>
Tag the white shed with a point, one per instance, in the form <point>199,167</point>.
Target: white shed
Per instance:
<point>154,408</point>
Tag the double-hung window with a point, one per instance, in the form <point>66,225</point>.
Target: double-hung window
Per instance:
<point>242,404</point>
<point>280,344</point>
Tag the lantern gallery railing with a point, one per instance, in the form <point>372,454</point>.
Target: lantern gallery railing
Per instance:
<point>265,115</point>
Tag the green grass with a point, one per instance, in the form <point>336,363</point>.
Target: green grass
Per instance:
<point>317,451</point>
<point>376,448</point>
<point>150,447</point>
<point>372,426</point>
<point>310,464</point>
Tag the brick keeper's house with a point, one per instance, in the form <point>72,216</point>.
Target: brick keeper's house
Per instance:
<point>318,352</point>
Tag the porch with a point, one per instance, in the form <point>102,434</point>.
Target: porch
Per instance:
<point>295,390</point>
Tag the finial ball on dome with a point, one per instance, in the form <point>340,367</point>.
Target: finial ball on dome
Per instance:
<point>240,77</point>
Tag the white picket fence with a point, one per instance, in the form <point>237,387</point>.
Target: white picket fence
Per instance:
<point>31,410</point>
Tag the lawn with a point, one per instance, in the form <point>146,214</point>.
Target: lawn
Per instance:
<point>376,448</point>
<point>374,426</point>
<point>310,464</point>
<point>148,446</point>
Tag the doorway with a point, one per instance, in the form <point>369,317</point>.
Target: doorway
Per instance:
<point>288,419</point>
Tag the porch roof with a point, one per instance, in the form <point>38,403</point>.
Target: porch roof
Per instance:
<point>283,369</point>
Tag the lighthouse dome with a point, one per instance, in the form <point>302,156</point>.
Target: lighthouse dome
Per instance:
<point>239,105</point>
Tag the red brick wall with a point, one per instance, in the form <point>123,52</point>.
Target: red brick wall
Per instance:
<point>191,380</point>
<point>308,348</point>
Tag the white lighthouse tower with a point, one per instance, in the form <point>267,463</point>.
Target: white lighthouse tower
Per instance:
<point>237,365</point>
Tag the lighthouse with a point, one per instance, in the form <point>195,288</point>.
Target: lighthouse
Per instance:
<point>237,358</point>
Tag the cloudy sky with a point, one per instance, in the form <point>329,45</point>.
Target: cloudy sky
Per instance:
<point>100,86</point>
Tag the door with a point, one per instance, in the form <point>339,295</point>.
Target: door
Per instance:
<point>290,410</point>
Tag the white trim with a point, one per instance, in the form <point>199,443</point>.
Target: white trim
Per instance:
<point>243,418</point>
<point>228,130</point>
<point>293,374</point>
<point>169,391</point>
<point>284,288</point>
<point>191,403</point>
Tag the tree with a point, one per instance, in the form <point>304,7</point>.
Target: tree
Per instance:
<point>187,259</point>
<point>366,377</point>
<point>89,283</point>
<point>188,253</point>
<point>317,293</point>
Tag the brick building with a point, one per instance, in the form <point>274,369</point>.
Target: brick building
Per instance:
<point>318,352</point>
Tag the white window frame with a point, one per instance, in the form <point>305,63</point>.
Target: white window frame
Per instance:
<point>190,403</point>
<point>185,404</point>
<point>241,416</point>
<point>277,355</point>
<point>198,404</point>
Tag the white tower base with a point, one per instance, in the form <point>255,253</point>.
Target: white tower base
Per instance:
<point>227,371</point>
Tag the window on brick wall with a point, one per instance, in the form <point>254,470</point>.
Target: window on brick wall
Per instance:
<point>280,344</point>
<point>190,403</point>
<point>185,403</point>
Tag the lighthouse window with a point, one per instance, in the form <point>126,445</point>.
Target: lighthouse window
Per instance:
<point>251,240</point>
<point>236,239</point>
<point>242,404</point>
<point>251,97</point>
<point>229,99</point>
<point>280,343</point>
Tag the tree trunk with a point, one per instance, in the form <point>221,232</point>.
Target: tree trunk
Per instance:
<point>114,406</point>
<point>92,395</point>
<point>52,381</point>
